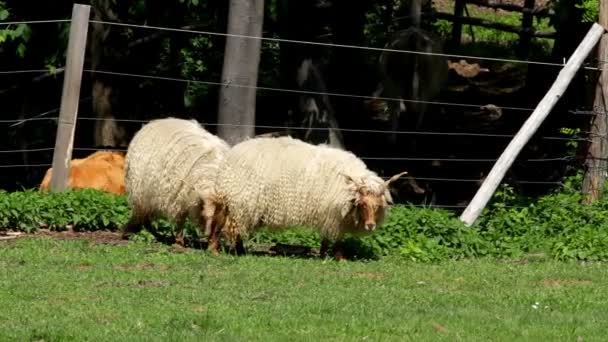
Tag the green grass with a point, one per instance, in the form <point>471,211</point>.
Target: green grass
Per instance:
<point>488,42</point>
<point>55,290</point>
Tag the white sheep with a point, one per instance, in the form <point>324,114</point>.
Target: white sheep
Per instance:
<point>169,170</point>
<point>284,182</point>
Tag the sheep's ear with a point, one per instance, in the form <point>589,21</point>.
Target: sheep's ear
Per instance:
<point>388,197</point>
<point>348,178</point>
<point>394,178</point>
<point>348,207</point>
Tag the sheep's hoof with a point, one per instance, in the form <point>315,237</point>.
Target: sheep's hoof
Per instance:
<point>125,235</point>
<point>239,246</point>
<point>214,249</point>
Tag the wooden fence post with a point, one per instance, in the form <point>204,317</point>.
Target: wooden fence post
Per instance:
<point>415,12</point>
<point>529,127</point>
<point>597,154</point>
<point>527,25</point>
<point>457,23</point>
<point>72,79</point>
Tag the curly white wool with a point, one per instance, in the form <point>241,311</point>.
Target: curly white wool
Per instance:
<point>283,182</point>
<point>170,165</point>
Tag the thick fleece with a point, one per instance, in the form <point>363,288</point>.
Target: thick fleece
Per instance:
<point>283,182</point>
<point>169,169</point>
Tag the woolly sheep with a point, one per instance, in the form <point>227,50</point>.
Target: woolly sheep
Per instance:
<point>283,182</point>
<point>169,171</point>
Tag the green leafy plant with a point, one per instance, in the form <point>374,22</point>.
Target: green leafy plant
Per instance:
<point>590,10</point>
<point>17,34</point>
<point>557,225</point>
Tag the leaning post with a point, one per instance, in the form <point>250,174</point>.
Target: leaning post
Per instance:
<point>487,189</point>
<point>72,79</point>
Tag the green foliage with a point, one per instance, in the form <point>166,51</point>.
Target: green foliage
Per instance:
<point>85,209</point>
<point>590,10</point>
<point>490,42</point>
<point>556,225</point>
<point>194,67</point>
<point>18,34</point>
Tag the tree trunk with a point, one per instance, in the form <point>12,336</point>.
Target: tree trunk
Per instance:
<point>415,12</point>
<point>236,114</point>
<point>108,132</point>
<point>597,162</point>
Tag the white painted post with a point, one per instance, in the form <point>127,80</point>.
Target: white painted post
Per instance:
<point>72,79</point>
<point>505,161</point>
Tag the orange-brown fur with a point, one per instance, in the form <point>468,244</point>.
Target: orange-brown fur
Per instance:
<point>102,170</point>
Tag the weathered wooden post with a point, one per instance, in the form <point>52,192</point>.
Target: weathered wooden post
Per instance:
<point>70,97</point>
<point>597,154</point>
<point>529,127</point>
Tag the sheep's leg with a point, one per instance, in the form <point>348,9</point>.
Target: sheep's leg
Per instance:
<point>324,248</point>
<point>214,244</point>
<point>232,234</point>
<point>211,226</point>
<point>213,237</point>
<point>239,246</point>
<point>179,237</point>
<point>339,250</point>
<point>134,226</point>
<point>179,231</point>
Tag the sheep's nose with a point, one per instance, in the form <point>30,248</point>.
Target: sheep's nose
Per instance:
<point>370,226</point>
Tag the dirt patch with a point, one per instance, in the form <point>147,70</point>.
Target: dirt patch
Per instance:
<point>554,283</point>
<point>98,237</point>
<point>9,235</point>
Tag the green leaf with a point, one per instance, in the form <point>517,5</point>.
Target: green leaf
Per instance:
<point>3,14</point>
<point>21,50</point>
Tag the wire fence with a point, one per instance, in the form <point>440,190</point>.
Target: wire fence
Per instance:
<point>45,116</point>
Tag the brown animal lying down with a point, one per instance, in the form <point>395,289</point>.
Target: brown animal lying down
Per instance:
<point>102,170</point>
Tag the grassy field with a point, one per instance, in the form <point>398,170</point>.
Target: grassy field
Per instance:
<point>54,290</point>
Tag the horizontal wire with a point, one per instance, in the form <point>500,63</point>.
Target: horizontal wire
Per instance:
<point>30,119</point>
<point>35,22</point>
<point>368,97</point>
<point>477,160</point>
<point>29,150</point>
<point>23,71</point>
<point>349,129</point>
<point>415,178</point>
<point>323,44</point>
<point>465,180</point>
<point>36,117</point>
<point>379,158</point>
<point>24,165</point>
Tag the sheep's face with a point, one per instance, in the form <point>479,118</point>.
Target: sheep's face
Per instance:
<point>370,208</point>
<point>370,201</point>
